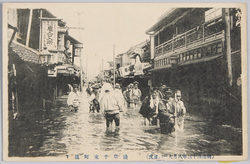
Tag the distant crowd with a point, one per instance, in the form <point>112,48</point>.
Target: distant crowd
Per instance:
<point>161,106</point>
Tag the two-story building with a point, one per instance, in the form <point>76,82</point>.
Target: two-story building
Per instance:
<point>41,58</point>
<point>198,51</point>
<point>133,65</point>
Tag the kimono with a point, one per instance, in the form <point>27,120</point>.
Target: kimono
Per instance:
<point>149,109</point>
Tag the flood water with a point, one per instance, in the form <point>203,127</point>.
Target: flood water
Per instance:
<point>61,132</point>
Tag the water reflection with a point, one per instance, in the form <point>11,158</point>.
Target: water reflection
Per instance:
<point>59,131</point>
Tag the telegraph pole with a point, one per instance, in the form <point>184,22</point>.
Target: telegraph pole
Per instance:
<point>226,20</point>
<point>114,64</point>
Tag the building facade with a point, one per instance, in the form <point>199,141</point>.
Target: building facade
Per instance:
<point>41,59</point>
<point>198,50</point>
<point>133,65</point>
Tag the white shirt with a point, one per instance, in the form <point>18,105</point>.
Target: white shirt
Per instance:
<point>73,99</point>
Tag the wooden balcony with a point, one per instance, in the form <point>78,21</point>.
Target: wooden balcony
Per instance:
<point>208,32</point>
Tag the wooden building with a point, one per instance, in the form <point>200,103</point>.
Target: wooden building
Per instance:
<point>41,58</point>
<point>198,50</point>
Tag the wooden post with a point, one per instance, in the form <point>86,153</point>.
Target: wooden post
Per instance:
<point>226,20</point>
<point>73,53</point>
<point>203,33</point>
<point>186,40</point>
<point>29,27</point>
<point>40,35</point>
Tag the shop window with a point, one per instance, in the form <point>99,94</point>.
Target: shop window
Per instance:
<point>173,61</point>
<point>187,55</point>
<point>219,48</point>
<point>195,54</point>
<point>208,50</point>
<point>180,57</point>
<point>191,55</point>
<point>184,56</point>
<point>199,53</point>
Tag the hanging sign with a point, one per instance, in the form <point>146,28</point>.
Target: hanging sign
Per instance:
<point>49,34</point>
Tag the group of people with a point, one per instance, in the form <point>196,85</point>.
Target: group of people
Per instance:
<point>166,106</point>
<point>132,95</point>
<point>161,104</point>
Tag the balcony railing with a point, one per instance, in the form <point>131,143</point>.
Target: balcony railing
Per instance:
<point>198,34</point>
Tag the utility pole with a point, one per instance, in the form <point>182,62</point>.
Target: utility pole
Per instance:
<point>81,68</point>
<point>114,64</point>
<point>226,20</point>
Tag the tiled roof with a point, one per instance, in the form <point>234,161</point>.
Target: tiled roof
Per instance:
<point>25,53</point>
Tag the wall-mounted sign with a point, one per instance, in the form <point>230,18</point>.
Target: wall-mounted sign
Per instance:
<point>49,34</point>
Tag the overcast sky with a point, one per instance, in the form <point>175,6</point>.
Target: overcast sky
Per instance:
<point>106,24</point>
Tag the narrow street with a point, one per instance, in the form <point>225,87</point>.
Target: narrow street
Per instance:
<point>60,132</point>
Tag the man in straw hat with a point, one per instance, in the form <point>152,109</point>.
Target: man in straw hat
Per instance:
<point>110,106</point>
<point>136,95</point>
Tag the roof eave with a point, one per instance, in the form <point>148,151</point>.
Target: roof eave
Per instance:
<point>153,28</point>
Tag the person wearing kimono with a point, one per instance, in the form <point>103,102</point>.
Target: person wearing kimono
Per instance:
<point>149,108</point>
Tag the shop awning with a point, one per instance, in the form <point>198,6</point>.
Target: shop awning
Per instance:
<point>199,60</point>
<point>160,68</point>
<point>73,40</point>
<point>25,53</point>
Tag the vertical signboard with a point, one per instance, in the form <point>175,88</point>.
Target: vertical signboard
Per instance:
<point>49,34</point>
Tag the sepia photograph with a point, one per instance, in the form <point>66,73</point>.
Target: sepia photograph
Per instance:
<point>124,82</point>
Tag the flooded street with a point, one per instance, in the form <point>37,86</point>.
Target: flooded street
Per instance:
<point>61,132</point>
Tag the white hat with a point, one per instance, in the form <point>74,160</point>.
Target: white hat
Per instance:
<point>178,92</point>
<point>107,87</point>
